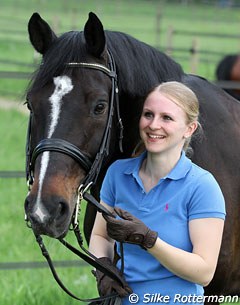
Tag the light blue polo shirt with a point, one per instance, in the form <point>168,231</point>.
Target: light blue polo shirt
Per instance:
<point>187,192</point>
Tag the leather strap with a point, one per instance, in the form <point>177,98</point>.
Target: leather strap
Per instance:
<point>64,147</point>
<point>56,277</point>
<point>88,257</point>
<point>89,198</point>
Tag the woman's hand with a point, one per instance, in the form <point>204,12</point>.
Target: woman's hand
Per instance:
<point>106,285</point>
<point>130,229</point>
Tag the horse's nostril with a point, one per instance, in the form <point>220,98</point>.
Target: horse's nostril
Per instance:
<point>62,209</point>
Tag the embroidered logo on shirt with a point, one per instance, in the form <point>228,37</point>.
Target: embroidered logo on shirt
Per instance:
<point>166,207</point>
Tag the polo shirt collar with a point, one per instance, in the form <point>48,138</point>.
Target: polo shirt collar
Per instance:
<point>179,171</point>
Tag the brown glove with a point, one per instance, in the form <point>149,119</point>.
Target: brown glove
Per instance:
<point>106,285</point>
<point>130,229</point>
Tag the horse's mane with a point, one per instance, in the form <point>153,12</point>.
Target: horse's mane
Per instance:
<point>139,65</point>
<point>142,64</point>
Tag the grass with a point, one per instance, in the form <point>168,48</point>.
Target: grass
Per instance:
<point>34,286</point>
<point>44,290</point>
<point>30,286</point>
<point>137,18</point>
<point>13,128</point>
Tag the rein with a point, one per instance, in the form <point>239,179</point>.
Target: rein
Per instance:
<point>87,257</point>
<point>92,169</point>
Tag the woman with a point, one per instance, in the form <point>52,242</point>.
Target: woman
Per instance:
<point>170,211</point>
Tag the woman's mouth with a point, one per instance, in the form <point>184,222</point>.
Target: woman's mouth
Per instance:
<point>154,137</point>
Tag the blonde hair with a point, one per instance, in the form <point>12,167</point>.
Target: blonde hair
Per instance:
<point>182,96</point>
<point>186,99</point>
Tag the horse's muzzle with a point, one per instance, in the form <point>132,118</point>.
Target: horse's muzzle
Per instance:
<point>51,217</point>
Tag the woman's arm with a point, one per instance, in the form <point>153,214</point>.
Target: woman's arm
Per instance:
<point>198,266</point>
<point>101,245</point>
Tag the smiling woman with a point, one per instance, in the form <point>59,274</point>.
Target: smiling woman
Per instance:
<point>169,117</point>
<point>175,209</point>
<point>173,95</point>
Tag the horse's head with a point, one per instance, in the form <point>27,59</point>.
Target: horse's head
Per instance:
<point>70,104</point>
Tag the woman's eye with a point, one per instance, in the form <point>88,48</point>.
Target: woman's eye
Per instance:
<point>167,118</point>
<point>100,108</point>
<point>147,114</point>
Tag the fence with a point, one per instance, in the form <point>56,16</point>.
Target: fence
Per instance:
<point>38,265</point>
<point>194,50</point>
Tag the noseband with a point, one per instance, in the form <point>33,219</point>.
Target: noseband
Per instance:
<point>92,169</point>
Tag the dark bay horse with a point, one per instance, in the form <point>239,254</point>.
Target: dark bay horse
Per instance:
<point>228,69</point>
<point>69,99</point>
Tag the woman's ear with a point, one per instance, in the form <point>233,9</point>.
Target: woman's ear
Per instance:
<point>191,129</point>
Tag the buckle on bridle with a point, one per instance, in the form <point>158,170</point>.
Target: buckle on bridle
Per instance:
<point>80,192</point>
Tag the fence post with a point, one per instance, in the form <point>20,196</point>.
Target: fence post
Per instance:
<point>194,58</point>
<point>158,26</point>
<point>169,40</point>
<point>56,24</point>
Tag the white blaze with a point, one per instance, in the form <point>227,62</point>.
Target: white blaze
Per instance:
<point>63,85</point>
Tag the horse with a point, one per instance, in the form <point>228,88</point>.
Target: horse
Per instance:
<point>85,101</point>
<point>228,69</point>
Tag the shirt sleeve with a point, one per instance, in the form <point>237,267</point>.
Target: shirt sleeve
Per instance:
<point>207,200</point>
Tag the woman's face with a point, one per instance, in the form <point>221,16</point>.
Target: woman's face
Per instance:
<point>163,125</point>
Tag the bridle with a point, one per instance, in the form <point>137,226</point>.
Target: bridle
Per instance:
<point>62,146</point>
<point>92,169</point>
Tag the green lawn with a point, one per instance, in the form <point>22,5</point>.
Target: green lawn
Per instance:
<point>34,286</point>
<point>29,286</point>
<point>135,17</point>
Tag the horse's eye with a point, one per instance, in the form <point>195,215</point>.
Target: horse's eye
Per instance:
<point>29,106</point>
<point>100,108</point>
<point>27,103</point>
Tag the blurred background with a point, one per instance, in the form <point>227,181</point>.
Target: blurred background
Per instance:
<point>203,36</point>
<point>197,34</point>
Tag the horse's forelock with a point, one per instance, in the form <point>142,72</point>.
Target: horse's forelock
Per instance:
<point>69,47</point>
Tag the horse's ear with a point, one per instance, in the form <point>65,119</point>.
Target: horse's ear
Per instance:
<point>40,33</point>
<point>94,35</point>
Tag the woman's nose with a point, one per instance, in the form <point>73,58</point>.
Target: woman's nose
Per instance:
<point>155,124</point>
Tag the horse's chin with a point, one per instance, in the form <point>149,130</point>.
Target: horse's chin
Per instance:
<point>57,232</point>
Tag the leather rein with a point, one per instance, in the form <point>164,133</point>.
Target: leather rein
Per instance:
<point>92,169</point>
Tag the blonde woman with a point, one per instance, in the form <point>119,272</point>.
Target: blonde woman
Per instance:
<point>170,212</point>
